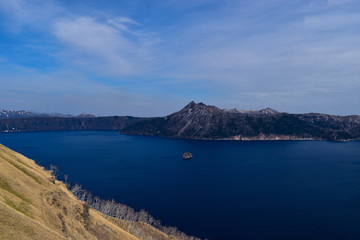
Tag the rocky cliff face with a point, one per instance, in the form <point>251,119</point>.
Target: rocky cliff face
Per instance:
<point>209,122</point>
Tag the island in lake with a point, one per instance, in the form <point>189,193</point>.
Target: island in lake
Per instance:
<point>187,155</point>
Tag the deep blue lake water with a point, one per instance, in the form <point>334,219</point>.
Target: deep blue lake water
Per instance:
<point>229,190</point>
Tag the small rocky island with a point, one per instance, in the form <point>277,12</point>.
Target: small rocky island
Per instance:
<point>187,155</point>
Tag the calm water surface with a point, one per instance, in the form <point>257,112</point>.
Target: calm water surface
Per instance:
<point>229,190</point>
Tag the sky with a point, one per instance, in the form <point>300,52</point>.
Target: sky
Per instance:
<point>152,57</point>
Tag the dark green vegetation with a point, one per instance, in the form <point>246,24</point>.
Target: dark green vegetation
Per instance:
<point>200,121</point>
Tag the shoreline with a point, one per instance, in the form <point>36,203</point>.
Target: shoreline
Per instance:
<point>260,137</point>
<point>254,138</point>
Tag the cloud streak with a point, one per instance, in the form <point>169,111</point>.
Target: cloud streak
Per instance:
<point>312,52</point>
<point>228,53</point>
<point>99,46</point>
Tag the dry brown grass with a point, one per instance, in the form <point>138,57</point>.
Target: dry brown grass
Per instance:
<point>33,205</point>
<point>141,230</point>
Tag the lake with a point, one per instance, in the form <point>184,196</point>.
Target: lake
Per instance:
<point>229,190</point>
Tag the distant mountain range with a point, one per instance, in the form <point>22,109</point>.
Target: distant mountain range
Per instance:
<point>27,114</point>
<point>200,121</point>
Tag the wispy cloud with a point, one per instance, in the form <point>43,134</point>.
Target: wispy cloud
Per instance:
<point>101,47</point>
<point>26,15</point>
<point>256,53</point>
<point>308,51</point>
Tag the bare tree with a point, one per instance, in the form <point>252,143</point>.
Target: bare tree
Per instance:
<point>55,170</point>
<point>66,178</point>
<point>124,212</point>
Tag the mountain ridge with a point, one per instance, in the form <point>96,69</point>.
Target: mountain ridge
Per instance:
<point>201,121</point>
<point>259,112</point>
<point>29,114</point>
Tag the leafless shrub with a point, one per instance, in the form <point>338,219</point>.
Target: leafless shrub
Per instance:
<point>124,212</point>
<point>55,170</point>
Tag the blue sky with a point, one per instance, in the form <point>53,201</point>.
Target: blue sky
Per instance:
<point>150,58</point>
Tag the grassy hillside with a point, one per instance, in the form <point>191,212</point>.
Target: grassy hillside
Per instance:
<point>34,205</point>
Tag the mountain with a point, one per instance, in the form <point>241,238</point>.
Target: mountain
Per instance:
<point>36,206</point>
<point>200,121</point>
<point>27,114</point>
<point>17,114</point>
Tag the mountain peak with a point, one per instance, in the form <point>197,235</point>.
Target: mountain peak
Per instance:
<point>193,104</point>
<point>190,104</point>
<point>84,115</point>
<point>268,111</point>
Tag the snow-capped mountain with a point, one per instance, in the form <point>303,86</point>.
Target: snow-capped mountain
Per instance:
<point>27,114</point>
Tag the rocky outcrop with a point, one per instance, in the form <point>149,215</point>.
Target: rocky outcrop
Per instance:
<point>187,155</point>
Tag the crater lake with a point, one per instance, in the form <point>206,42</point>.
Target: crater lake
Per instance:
<point>229,190</point>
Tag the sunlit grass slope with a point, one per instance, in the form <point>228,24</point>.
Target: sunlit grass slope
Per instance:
<point>34,205</point>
